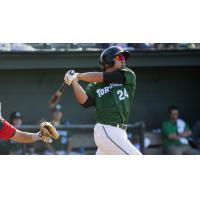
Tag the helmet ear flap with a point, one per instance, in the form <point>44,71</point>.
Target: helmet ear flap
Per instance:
<point>107,65</point>
<point>111,64</point>
<point>108,62</point>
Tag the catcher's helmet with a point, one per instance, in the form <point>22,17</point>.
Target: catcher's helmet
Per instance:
<point>107,56</point>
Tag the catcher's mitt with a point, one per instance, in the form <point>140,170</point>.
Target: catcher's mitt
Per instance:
<point>48,132</point>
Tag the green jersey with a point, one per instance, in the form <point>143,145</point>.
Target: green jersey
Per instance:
<point>169,127</point>
<point>113,100</point>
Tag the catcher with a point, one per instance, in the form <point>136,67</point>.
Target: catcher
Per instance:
<point>46,133</point>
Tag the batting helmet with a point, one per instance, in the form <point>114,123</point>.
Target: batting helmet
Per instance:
<point>107,56</point>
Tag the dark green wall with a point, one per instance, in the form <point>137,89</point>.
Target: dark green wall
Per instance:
<point>29,90</point>
<point>157,88</point>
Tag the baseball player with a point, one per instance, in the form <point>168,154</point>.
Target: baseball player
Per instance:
<point>111,92</point>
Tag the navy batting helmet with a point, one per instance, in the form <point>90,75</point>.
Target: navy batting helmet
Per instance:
<point>108,55</point>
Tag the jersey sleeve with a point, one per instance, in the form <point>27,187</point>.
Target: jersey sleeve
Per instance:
<point>130,77</point>
<point>6,130</point>
<point>91,91</point>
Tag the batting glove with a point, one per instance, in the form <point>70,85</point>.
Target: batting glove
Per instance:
<point>70,76</point>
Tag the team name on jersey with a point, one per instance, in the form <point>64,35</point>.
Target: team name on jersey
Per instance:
<point>102,91</point>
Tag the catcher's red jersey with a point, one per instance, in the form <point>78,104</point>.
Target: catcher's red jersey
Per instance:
<point>6,129</point>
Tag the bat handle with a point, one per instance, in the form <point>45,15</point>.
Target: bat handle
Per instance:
<point>62,88</point>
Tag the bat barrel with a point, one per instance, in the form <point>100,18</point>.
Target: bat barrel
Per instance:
<point>56,96</point>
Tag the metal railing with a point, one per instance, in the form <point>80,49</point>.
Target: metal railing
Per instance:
<point>138,128</point>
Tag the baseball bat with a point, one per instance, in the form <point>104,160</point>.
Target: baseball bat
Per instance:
<point>56,96</point>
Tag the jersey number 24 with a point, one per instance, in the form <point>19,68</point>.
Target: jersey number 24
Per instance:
<point>123,94</point>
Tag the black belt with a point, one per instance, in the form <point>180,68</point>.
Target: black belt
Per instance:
<point>122,126</point>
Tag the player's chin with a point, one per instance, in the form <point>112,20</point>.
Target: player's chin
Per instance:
<point>122,65</point>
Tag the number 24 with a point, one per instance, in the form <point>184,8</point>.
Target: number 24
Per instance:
<point>122,94</point>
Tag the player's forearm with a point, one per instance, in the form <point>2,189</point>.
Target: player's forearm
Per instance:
<point>79,92</point>
<point>186,134</point>
<point>91,77</point>
<point>24,137</point>
<point>174,136</point>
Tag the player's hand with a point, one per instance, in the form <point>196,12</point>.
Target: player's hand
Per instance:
<point>47,132</point>
<point>70,76</point>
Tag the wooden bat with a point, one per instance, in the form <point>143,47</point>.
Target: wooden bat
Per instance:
<point>56,96</point>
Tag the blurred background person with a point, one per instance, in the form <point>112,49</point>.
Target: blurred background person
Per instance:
<point>175,133</point>
<point>135,46</point>
<point>62,146</point>
<point>162,46</point>
<point>141,46</point>
<point>16,120</point>
<point>21,47</point>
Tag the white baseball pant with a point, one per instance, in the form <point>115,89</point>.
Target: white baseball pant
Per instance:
<point>112,140</point>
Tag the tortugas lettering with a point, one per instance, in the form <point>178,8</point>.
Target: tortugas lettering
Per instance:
<point>105,90</point>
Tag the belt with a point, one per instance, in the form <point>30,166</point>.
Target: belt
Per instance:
<point>122,126</point>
